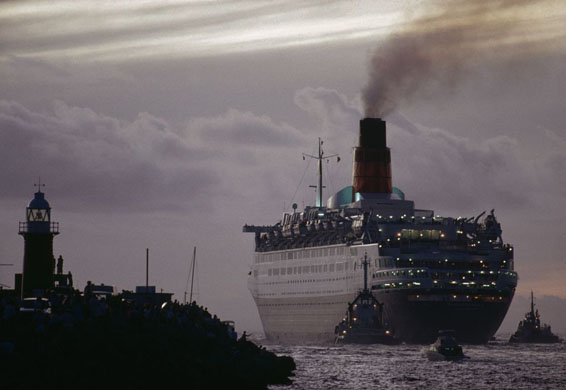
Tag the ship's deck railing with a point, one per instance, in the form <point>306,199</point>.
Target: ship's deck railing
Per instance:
<point>474,280</point>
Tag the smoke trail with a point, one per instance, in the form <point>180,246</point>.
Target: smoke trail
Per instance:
<point>434,50</point>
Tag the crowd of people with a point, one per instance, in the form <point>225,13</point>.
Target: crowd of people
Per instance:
<point>85,341</point>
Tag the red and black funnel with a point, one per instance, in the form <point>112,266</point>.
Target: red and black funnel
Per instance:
<point>372,159</point>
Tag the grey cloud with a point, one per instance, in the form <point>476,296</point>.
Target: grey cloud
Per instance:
<point>145,164</point>
<point>328,106</point>
<point>99,160</point>
<point>36,67</point>
<point>458,173</point>
<point>135,27</point>
<point>257,158</point>
<point>245,129</point>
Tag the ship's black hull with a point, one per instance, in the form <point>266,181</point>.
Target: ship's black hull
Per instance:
<point>417,316</point>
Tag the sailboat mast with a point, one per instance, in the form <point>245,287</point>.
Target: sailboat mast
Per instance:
<point>193,273</point>
<point>319,187</point>
<point>146,269</point>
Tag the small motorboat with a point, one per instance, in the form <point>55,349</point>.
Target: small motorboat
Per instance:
<point>445,347</point>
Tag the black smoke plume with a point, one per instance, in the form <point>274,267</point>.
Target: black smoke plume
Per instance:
<point>432,51</point>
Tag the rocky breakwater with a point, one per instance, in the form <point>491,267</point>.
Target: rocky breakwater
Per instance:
<point>92,343</point>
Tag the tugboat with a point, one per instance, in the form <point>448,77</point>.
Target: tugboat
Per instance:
<point>445,347</point>
<point>531,331</point>
<point>363,323</point>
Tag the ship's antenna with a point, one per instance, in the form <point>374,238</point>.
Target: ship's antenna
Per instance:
<point>39,185</point>
<point>320,157</point>
<point>299,185</point>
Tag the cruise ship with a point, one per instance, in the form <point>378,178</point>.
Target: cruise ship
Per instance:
<point>429,272</point>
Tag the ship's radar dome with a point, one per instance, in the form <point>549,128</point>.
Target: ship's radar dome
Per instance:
<point>39,202</point>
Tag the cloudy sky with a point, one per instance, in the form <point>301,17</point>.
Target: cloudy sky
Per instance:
<point>171,124</point>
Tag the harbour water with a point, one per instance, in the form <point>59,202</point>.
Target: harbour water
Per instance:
<point>497,365</point>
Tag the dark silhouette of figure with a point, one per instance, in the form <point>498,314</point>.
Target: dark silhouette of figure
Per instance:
<point>88,290</point>
<point>60,265</point>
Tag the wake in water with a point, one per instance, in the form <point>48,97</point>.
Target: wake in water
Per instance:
<point>496,365</point>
